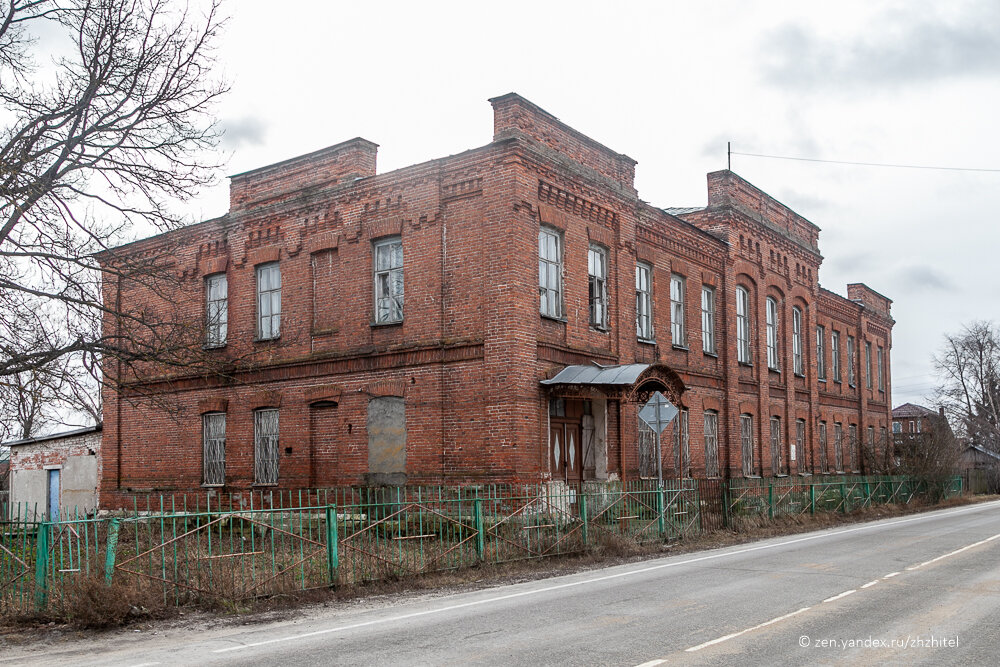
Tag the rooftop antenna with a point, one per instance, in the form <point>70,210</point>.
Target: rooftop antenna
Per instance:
<point>729,156</point>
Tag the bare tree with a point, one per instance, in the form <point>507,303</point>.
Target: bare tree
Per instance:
<point>95,148</point>
<point>969,390</point>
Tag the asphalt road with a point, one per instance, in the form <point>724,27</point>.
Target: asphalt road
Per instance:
<point>913,590</point>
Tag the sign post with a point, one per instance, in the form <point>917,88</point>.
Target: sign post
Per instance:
<point>658,413</point>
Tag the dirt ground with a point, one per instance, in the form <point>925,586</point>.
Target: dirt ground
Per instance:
<point>27,630</point>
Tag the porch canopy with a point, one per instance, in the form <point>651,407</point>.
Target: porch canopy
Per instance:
<point>625,375</point>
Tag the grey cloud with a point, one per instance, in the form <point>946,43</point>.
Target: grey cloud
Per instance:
<point>902,47</point>
<point>921,279</point>
<point>245,131</point>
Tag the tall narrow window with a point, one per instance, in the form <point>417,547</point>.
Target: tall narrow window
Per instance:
<point>838,447</point>
<point>771,315</point>
<point>265,446</point>
<point>881,377</point>
<point>682,444</point>
<point>742,325</point>
<point>835,355</point>
<point>824,464</point>
<point>853,444</point>
<point>797,365</point>
<point>868,365</point>
<point>711,418</point>
<point>708,319</point>
<point>268,301</point>
<point>216,310</point>
<point>677,332</point>
<point>777,456</point>
<point>389,280</point>
<point>821,353</point>
<point>213,432</point>
<point>746,442</point>
<point>883,438</point>
<point>644,301</point>
<point>800,443</point>
<point>597,272</point>
<point>871,439</point>
<point>851,365</point>
<point>549,272</point>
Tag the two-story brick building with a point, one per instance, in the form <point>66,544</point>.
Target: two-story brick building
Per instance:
<point>494,315</point>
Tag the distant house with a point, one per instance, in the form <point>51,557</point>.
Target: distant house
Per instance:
<point>55,474</point>
<point>977,457</point>
<point>910,418</point>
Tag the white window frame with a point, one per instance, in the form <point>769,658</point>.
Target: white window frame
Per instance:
<point>771,319</point>
<point>213,440</point>
<point>711,429</point>
<point>678,334</point>
<point>880,356</point>
<point>743,355</point>
<point>597,279</point>
<point>868,364</point>
<point>268,301</point>
<point>897,427</point>
<point>835,355</point>
<point>708,319</point>
<point>800,444</point>
<point>746,445</point>
<point>797,366</point>
<point>266,440</point>
<point>821,352</point>
<point>644,301</point>
<point>216,309</point>
<point>387,266</point>
<point>778,464</point>
<point>682,443</point>
<point>851,361</point>
<point>550,269</point>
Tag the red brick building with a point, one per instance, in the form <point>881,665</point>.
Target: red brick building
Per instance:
<point>496,315</point>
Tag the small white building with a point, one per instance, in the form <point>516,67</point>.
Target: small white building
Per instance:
<point>56,474</point>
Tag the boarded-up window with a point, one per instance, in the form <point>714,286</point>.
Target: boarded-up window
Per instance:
<point>711,443</point>
<point>387,440</point>
<point>777,455</point>
<point>324,273</point>
<point>746,440</point>
<point>824,464</point>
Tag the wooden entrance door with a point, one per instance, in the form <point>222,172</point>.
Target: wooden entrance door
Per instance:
<point>566,435</point>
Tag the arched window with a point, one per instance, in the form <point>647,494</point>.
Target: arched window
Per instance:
<point>797,366</point>
<point>742,325</point>
<point>772,333</point>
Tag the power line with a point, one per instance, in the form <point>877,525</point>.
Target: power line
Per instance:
<point>863,164</point>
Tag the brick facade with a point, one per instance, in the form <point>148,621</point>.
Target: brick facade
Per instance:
<point>464,364</point>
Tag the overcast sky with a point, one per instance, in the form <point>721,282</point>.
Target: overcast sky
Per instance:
<point>668,84</point>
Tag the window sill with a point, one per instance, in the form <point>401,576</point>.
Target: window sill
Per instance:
<point>680,347</point>
<point>390,323</point>
<point>805,474</point>
<point>553,318</point>
<point>602,330</point>
<point>803,375</point>
<point>213,486</point>
<point>774,370</point>
<point>267,340</point>
<point>838,382</point>
<point>264,484</point>
<point>214,346</point>
<point>747,364</point>
<point>714,355</point>
<point>751,477</point>
<point>646,341</point>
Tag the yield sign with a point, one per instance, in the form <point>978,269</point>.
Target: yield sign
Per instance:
<point>658,412</point>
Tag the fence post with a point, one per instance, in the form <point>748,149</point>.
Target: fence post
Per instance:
<point>42,563</point>
<point>477,506</point>
<point>812,498</point>
<point>332,555</point>
<point>112,550</point>
<point>843,497</point>
<point>583,518</point>
<point>660,509</point>
<point>770,501</point>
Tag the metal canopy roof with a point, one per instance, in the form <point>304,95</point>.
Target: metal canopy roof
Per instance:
<point>593,374</point>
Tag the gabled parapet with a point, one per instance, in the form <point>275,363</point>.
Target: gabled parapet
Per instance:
<point>869,298</point>
<point>341,163</point>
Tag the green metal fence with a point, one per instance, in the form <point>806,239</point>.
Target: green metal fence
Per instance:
<point>244,545</point>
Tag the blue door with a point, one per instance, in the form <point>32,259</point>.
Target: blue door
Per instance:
<point>53,512</point>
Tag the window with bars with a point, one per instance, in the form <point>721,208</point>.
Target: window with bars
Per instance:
<point>851,365</point>
<point>677,332</point>
<point>708,319</point>
<point>550,272</point>
<point>835,355</point>
<point>216,310</point>
<point>711,419</point>
<point>682,444</point>
<point>777,455</point>
<point>797,364</point>
<point>268,301</point>
<point>838,447</point>
<point>597,272</point>
<point>771,319</point>
<point>821,353</point>
<point>853,444</point>
<point>213,433</point>
<point>644,301</point>
<point>265,446</point>
<point>824,464</point>
<point>800,443</point>
<point>388,280</point>
<point>746,442</point>
<point>743,325</point>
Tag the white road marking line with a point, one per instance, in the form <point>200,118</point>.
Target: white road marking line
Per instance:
<point>743,632</point>
<point>891,575</point>
<point>869,584</point>
<point>958,551</point>
<point>912,567</point>
<point>841,595</point>
<point>651,663</point>
<point>618,575</point>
